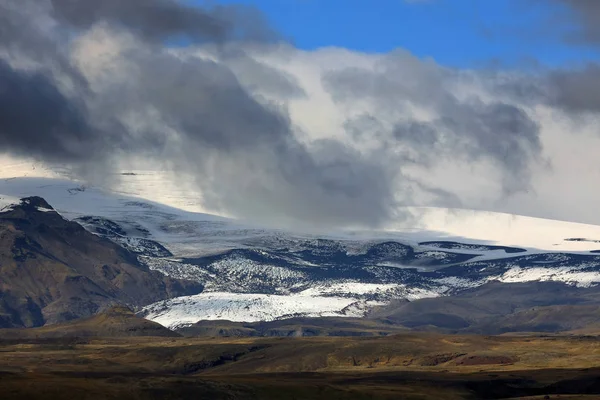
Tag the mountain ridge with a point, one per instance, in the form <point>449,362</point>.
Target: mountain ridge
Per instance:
<point>251,274</point>
<point>53,270</point>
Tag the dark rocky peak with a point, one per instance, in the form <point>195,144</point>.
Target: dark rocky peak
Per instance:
<point>35,202</point>
<point>30,208</point>
<point>34,216</point>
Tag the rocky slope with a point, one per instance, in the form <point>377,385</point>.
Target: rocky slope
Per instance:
<point>53,270</point>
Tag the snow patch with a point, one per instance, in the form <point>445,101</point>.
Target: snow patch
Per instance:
<point>566,275</point>
<point>352,288</point>
<point>245,307</point>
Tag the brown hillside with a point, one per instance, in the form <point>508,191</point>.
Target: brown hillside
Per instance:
<point>117,322</point>
<point>53,270</point>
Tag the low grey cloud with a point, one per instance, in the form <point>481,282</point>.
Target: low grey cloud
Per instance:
<point>470,128</point>
<point>36,118</point>
<point>575,90</point>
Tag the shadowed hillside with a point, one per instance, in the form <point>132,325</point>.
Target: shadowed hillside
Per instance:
<point>53,270</point>
<point>295,327</point>
<point>115,322</point>
<point>497,308</point>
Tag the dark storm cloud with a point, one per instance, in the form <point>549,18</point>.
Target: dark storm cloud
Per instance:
<point>204,101</point>
<point>36,118</point>
<point>21,35</point>
<point>575,90</point>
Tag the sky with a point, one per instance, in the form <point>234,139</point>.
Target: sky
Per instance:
<point>320,114</point>
<point>458,33</point>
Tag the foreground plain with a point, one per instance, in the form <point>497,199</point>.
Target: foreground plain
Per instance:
<point>408,366</point>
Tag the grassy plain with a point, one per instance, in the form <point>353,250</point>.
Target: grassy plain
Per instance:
<point>406,366</point>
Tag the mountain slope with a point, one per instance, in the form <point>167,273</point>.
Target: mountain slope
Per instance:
<point>53,270</point>
<point>497,308</point>
<point>253,273</point>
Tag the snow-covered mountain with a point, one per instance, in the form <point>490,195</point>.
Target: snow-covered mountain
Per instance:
<point>252,273</point>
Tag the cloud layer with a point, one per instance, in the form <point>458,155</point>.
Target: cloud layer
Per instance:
<point>328,138</point>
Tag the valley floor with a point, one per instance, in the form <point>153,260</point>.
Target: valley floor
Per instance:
<point>407,366</point>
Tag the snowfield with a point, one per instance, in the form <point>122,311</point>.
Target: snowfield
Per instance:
<point>504,229</point>
<point>241,307</point>
<point>567,275</point>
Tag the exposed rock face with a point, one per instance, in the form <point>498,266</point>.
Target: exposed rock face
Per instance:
<point>53,270</point>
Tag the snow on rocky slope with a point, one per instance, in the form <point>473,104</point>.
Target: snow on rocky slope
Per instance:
<point>7,201</point>
<point>252,273</point>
